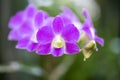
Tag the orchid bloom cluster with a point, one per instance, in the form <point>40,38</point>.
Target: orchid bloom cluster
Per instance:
<point>35,30</point>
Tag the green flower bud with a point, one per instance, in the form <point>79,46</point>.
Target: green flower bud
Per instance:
<point>88,49</point>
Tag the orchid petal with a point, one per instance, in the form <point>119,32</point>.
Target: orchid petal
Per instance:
<point>57,25</point>
<point>44,49</point>
<point>68,13</point>
<point>88,19</point>
<point>30,11</point>
<point>32,46</point>
<point>25,28</point>
<point>99,40</point>
<point>38,19</point>
<point>13,35</point>
<point>72,48</point>
<point>45,35</point>
<point>70,33</point>
<point>22,44</point>
<point>57,52</point>
<point>87,31</point>
<point>16,20</point>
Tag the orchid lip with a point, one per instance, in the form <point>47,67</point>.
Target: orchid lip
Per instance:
<point>58,42</point>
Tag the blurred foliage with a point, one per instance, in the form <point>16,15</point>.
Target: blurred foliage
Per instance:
<point>102,65</point>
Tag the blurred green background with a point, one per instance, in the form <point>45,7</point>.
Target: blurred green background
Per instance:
<point>102,65</point>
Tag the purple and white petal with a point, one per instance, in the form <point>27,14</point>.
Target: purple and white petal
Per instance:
<point>57,25</point>
<point>25,28</point>
<point>45,35</point>
<point>72,48</point>
<point>16,20</point>
<point>38,20</point>
<point>30,11</point>
<point>32,46</point>
<point>88,25</point>
<point>57,52</point>
<point>99,40</point>
<point>68,14</point>
<point>25,43</point>
<point>70,33</point>
<point>44,49</point>
<point>22,44</point>
<point>14,35</point>
<point>87,30</point>
<point>88,19</point>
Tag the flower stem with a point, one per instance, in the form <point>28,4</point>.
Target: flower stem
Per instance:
<point>62,68</point>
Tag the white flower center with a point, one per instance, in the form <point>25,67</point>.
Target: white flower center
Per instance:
<point>34,39</point>
<point>58,42</point>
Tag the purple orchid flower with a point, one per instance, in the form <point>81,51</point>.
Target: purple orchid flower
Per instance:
<point>88,33</point>
<point>89,29</point>
<point>91,35</point>
<point>36,31</point>
<point>58,38</point>
<point>21,19</point>
<point>25,25</point>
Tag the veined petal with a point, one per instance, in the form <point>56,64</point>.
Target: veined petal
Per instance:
<point>72,48</point>
<point>45,35</point>
<point>44,49</point>
<point>57,24</point>
<point>99,40</point>
<point>70,33</point>
<point>57,52</point>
